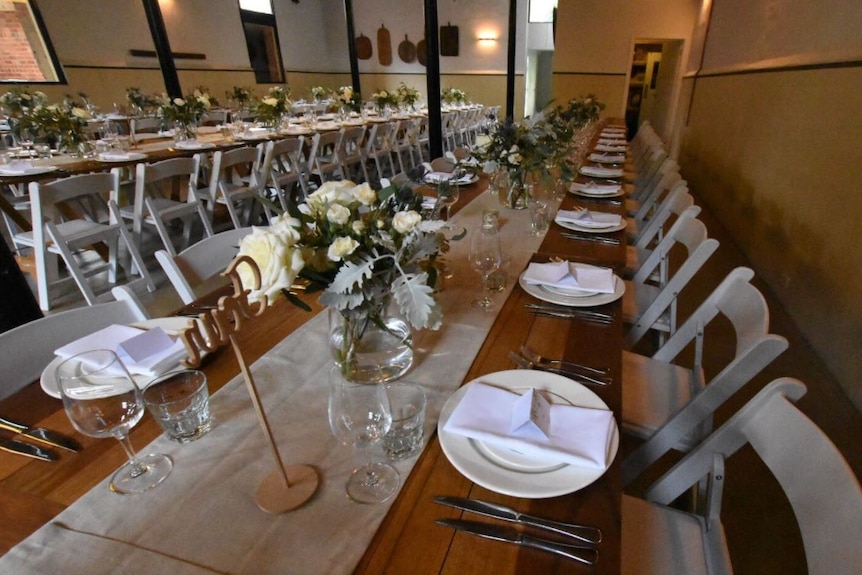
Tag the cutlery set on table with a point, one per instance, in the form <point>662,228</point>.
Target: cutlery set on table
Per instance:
<point>528,359</point>
<point>586,537</point>
<point>37,434</point>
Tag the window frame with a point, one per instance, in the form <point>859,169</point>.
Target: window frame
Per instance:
<point>51,53</point>
<point>269,21</point>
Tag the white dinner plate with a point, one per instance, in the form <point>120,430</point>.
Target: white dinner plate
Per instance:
<point>593,230</point>
<point>597,193</point>
<point>130,157</point>
<point>504,471</point>
<point>171,325</point>
<point>194,145</point>
<point>599,172</point>
<point>573,300</point>
<point>31,171</point>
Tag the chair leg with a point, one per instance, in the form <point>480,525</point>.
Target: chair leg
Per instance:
<point>69,258</point>
<point>133,251</point>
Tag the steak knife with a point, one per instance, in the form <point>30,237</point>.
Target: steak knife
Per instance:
<point>580,553</point>
<point>21,448</point>
<point>582,532</point>
<point>39,434</point>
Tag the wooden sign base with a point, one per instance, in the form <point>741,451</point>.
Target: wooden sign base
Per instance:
<point>273,496</point>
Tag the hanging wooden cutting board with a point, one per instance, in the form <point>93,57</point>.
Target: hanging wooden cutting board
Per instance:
<point>422,52</point>
<point>407,50</point>
<point>363,47</point>
<point>448,40</point>
<point>384,46</point>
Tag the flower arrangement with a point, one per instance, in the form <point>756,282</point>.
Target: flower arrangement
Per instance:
<point>139,102</point>
<point>407,95</point>
<point>319,93</point>
<point>240,96</point>
<point>382,99</point>
<point>362,248</point>
<point>349,98</point>
<point>19,102</point>
<point>580,112</point>
<point>453,96</point>
<point>185,111</point>
<point>271,108</point>
<point>64,122</point>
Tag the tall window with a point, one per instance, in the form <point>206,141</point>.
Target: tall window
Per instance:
<point>26,54</point>
<point>542,10</point>
<point>261,39</point>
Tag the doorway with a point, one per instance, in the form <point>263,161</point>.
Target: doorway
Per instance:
<point>652,84</point>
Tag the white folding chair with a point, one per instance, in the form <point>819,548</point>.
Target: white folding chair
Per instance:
<point>323,159</point>
<point>378,148</point>
<point>282,169</point>
<point>678,202</point>
<point>145,128</point>
<point>236,183</point>
<point>670,405</point>
<point>28,348</point>
<point>69,216</point>
<point>194,271</point>
<point>653,307</point>
<point>350,154</point>
<point>154,206</point>
<point>820,486</point>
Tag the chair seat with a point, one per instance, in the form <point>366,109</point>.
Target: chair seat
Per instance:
<point>660,540</point>
<point>637,298</point>
<point>652,392</point>
<point>75,230</point>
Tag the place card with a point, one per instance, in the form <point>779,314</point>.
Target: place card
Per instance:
<point>531,415</point>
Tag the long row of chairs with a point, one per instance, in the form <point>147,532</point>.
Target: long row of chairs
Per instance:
<point>669,402</point>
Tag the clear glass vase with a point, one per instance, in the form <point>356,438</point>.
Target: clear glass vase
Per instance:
<point>371,345</point>
<point>517,193</point>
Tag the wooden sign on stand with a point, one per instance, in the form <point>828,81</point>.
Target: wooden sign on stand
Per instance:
<point>288,487</point>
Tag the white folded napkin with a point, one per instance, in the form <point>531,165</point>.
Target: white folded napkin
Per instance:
<point>578,435</point>
<point>428,202</point>
<point>571,276</point>
<point>588,219</point>
<point>141,352</point>
<point>605,141</point>
<point>438,177</point>
<point>601,172</point>
<point>613,158</point>
<point>595,189</point>
<point>17,167</point>
<point>190,145</point>
<point>114,156</point>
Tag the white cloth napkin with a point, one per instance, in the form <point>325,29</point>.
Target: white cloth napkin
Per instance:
<point>605,141</point>
<point>601,172</point>
<point>613,158</point>
<point>114,156</point>
<point>595,189</point>
<point>191,145</point>
<point>17,167</point>
<point>159,361</point>
<point>578,435</point>
<point>588,219</point>
<point>572,276</point>
<point>610,147</point>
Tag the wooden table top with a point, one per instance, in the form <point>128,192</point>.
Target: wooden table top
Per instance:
<point>33,492</point>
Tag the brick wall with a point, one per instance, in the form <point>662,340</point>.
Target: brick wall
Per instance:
<point>17,60</point>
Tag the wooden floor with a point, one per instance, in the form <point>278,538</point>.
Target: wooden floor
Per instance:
<point>760,526</point>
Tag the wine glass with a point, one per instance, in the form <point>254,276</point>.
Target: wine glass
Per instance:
<point>447,196</point>
<point>485,257</point>
<point>359,415</point>
<point>102,400</point>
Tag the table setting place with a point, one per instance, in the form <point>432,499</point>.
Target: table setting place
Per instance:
<point>590,221</point>
<point>570,284</point>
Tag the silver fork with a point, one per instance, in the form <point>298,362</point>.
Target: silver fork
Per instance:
<point>525,363</point>
<point>539,359</point>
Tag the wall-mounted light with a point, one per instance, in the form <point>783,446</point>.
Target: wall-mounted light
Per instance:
<point>486,39</point>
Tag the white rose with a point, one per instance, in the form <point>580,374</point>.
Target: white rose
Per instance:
<point>80,113</point>
<point>364,194</point>
<point>341,247</point>
<point>272,102</point>
<point>403,222</point>
<point>287,227</point>
<point>279,263</point>
<point>358,227</point>
<point>179,102</point>
<point>338,214</point>
<point>331,193</point>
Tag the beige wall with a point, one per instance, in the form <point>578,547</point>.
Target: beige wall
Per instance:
<point>774,153</point>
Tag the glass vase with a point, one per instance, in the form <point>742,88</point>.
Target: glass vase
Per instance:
<point>372,344</point>
<point>516,194</point>
<point>185,131</point>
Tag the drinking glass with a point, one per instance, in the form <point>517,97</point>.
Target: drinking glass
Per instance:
<point>360,416</point>
<point>448,195</point>
<point>485,257</point>
<point>102,400</point>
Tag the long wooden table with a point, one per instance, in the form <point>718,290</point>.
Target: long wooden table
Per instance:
<point>33,492</point>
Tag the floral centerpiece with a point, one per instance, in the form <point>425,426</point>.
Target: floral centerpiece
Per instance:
<point>239,96</point>
<point>349,99</point>
<point>185,113</point>
<point>384,99</point>
<point>63,123</point>
<point>19,105</point>
<point>139,102</point>
<point>319,93</point>
<point>407,95</point>
<point>271,108</point>
<point>453,96</point>
<point>368,252</point>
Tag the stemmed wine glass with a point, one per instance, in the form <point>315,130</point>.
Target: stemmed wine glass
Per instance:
<point>447,196</point>
<point>102,400</point>
<point>485,257</point>
<point>359,415</point>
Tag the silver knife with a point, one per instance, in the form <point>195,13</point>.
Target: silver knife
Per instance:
<point>582,532</point>
<point>580,553</point>
<point>21,448</point>
<point>39,434</point>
